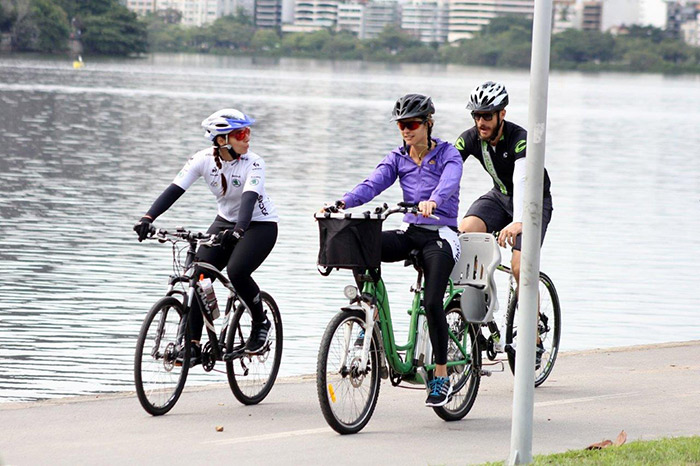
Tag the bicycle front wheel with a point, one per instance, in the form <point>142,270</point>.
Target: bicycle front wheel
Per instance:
<point>251,376</point>
<point>347,394</point>
<point>548,330</point>
<point>159,375</point>
<point>465,378</point>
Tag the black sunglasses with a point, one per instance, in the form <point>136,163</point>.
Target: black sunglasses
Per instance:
<point>483,116</point>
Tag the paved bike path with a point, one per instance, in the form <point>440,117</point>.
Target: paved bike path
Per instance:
<point>648,391</point>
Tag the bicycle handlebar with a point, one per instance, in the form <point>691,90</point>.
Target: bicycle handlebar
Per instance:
<point>382,211</point>
<point>180,233</point>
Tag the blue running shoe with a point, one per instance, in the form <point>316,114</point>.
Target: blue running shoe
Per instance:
<point>440,392</point>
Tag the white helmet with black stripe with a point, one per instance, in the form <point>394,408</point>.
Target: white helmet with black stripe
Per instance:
<point>488,97</point>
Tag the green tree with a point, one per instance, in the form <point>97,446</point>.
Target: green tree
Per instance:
<point>53,26</point>
<point>342,45</point>
<point>642,60</point>
<point>8,17</point>
<point>229,32</point>
<point>505,23</point>
<point>265,39</point>
<point>117,32</point>
<point>40,26</point>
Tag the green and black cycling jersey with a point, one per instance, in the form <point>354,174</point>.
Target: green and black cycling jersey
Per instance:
<point>498,161</point>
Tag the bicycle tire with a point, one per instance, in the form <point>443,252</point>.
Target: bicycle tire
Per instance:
<point>159,380</point>
<point>251,376</point>
<point>549,331</point>
<point>465,379</point>
<point>347,397</point>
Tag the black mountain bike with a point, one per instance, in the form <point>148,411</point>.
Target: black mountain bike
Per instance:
<point>162,358</point>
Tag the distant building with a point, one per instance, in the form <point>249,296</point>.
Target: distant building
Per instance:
<point>678,14</point>
<point>377,15</point>
<point>467,17</point>
<point>591,15</point>
<point>350,18</point>
<point>268,14</point>
<point>140,7</point>
<point>194,12</point>
<point>618,13</point>
<point>317,13</point>
<point>564,15</point>
<point>427,20</point>
<point>690,32</point>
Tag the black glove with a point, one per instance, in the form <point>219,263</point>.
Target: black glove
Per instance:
<point>335,207</point>
<point>229,238</point>
<point>143,228</point>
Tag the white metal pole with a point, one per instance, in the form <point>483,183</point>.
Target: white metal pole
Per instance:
<point>524,390</point>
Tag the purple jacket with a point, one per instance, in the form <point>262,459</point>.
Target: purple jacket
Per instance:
<point>436,179</point>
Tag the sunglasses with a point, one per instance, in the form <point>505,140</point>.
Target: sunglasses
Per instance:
<point>411,125</point>
<point>241,134</point>
<point>483,116</point>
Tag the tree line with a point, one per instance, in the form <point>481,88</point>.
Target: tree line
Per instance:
<point>103,27</point>
<point>107,27</point>
<point>505,42</point>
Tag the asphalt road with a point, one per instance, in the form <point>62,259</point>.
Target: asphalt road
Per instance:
<point>647,391</point>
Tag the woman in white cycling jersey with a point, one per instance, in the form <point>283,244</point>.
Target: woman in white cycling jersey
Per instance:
<point>246,221</point>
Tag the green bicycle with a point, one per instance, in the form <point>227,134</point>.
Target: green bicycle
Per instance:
<point>358,348</point>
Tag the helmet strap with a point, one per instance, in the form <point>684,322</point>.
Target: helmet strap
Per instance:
<point>234,155</point>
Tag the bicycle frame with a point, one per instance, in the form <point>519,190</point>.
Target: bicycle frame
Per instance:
<point>402,366</point>
<point>188,298</point>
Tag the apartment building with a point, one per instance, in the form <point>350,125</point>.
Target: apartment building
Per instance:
<point>350,18</point>
<point>140,7</point>
<point>468,16</point>
<point>427,20</point>
<point>268,14</point>
<point>377,15</point>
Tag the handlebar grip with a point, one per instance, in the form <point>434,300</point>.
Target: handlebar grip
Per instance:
<point>408,205</point>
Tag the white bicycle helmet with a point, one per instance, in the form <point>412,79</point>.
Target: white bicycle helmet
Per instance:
<point>224,121</point>
<point>488,97</point>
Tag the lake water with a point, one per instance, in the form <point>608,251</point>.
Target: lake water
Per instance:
<point>83,153</point>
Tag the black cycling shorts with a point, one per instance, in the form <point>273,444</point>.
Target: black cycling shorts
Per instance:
<point>496,210</point>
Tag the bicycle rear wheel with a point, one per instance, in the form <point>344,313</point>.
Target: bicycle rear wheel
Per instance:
<point>548,329</point>
<point>251,376</point>
<point>158,376</point>
<point>347,395</point>
<point>464,378</point>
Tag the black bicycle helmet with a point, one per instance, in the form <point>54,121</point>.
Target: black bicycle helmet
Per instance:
<point>412,106</point>
<point>488,97</point>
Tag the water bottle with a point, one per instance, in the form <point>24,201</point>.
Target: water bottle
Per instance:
<point>206,292</point>
<point>424,350</point>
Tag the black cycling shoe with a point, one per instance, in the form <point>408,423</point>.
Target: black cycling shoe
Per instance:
<point>195,355</point>
<point>258,336</point>
<point>538,355</point>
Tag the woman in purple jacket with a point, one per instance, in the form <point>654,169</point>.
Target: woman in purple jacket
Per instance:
<point>429,171</point>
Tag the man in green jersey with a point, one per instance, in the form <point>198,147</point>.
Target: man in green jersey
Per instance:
<point>500,147</point>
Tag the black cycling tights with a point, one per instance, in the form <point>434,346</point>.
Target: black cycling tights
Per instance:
<point>437,264</point>
<point>240,262</point>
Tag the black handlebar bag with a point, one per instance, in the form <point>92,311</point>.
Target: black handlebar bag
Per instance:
<point>350,243</point>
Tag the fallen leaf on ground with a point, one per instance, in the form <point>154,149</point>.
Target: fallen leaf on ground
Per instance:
<point>621,438</point>
<point>599,445</point>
